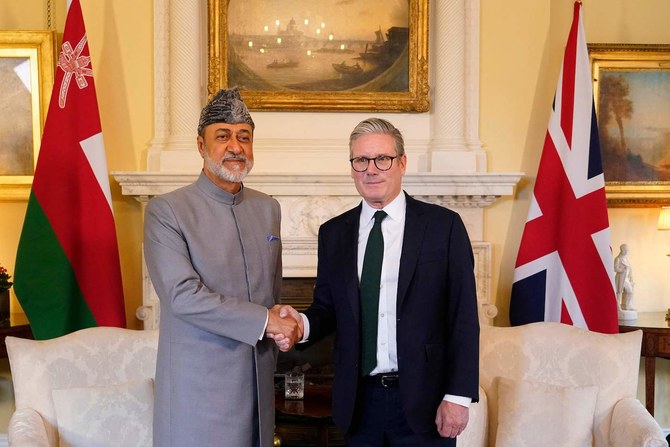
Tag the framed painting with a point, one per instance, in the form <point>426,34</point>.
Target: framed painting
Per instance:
<point>321,55</point>
<point>631,88</point>
<point>26,79</point>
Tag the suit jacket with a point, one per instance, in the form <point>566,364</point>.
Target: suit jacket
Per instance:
<point>215,261</point>
<point>437,322</point>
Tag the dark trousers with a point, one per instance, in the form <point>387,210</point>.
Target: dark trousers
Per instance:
<point>380,421</point>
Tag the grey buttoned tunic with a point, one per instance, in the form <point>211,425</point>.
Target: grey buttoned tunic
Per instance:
<point>215,261</point>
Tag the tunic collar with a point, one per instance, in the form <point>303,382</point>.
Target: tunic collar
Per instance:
<point>218,194</point>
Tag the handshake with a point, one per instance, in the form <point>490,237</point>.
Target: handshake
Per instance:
<point>285,326</point>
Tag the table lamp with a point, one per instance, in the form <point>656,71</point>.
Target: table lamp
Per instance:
<point>664,219</point>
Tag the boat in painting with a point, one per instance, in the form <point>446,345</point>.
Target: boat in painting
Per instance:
<point>284,63</point>
<point>345,69</point>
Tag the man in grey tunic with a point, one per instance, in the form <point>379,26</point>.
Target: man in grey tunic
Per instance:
<point>213,252</point>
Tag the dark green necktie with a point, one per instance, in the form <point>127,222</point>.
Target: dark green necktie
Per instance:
<point>369,291</point>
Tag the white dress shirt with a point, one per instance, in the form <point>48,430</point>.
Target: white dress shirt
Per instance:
<point>393,230</point>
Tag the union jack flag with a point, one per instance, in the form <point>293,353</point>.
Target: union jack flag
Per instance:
<point>564,268</point>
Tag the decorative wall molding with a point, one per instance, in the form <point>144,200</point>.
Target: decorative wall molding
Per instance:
<point>477,189</point>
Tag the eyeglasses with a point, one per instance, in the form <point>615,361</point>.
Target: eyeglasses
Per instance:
<point>382,162</point>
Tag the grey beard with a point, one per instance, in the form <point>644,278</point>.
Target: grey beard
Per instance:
<point>232,176</point>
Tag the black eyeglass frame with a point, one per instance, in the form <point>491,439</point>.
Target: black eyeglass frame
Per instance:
<point>351,161</point>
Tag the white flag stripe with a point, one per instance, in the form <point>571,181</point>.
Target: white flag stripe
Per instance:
<point>94,149</point>
<point>534,210</point>
<point>558,289</point>
<point>602,240</point>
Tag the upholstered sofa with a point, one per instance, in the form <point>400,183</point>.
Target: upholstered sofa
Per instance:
<point>549,384</point>
<point>543,384</point>
<point>89,388</point>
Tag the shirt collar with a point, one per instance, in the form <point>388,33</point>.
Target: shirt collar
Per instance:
<point>395,209</point>
<point>217,193</point>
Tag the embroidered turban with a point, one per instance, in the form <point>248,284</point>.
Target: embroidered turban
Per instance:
<point>226,106</point>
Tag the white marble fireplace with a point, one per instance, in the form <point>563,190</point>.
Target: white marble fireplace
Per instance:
<point>308,171</point>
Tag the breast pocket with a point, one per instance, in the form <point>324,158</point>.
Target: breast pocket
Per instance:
<point>273,246</point>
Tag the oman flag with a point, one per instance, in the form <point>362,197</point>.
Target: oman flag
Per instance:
<point>68,274</point>
<point>564,269</point>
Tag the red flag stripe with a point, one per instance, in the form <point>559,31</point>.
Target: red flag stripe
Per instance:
<point>568,90</point>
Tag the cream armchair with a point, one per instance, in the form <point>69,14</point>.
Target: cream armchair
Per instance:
<point>90,387</point>
<point>549,384</point>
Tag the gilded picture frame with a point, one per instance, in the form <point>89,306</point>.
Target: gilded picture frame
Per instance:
<point>631,90</point>
<point>26,79</point>
<point>318,55</point>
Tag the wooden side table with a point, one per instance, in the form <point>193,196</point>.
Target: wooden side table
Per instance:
<point>655,343</point>
<point>307,422</point>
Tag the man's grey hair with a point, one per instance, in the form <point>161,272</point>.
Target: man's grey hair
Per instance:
<point>378,126</point>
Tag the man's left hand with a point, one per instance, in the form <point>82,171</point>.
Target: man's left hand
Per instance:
<point>451,419</point>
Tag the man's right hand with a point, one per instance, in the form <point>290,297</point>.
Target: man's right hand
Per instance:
<point>285,326</point>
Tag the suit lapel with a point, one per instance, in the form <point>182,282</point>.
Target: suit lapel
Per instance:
<point>415,229</point>
<point>349,260</point>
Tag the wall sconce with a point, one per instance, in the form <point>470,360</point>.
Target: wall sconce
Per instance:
<point>664,220</point>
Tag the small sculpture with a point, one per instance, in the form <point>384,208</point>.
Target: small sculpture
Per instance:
<point>623,281</point>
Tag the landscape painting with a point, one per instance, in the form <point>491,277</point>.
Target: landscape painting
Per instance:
<point>319,45</point>
<point>16,128</point>
<point>26,79</point>
<point>634,124</point>
<point>321,54</point>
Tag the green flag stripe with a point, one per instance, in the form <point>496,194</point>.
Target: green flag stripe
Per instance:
<point>44,280</point>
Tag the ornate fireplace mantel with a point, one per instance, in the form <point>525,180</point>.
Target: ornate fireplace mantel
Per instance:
<point>472,190</point>
<point>309,200</point>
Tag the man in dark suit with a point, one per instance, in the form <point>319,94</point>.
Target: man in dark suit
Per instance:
<point>425,371</point>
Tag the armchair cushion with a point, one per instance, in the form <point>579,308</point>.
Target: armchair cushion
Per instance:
<point>561,355</point>
<point>534,413</point>
<point>105,416</point>
<point>93,357</point>
<point>565,357</point>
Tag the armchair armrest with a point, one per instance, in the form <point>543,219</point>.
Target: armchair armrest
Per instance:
<point>476,433</point>
<point>633,426</point>
<point>26,429</point>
